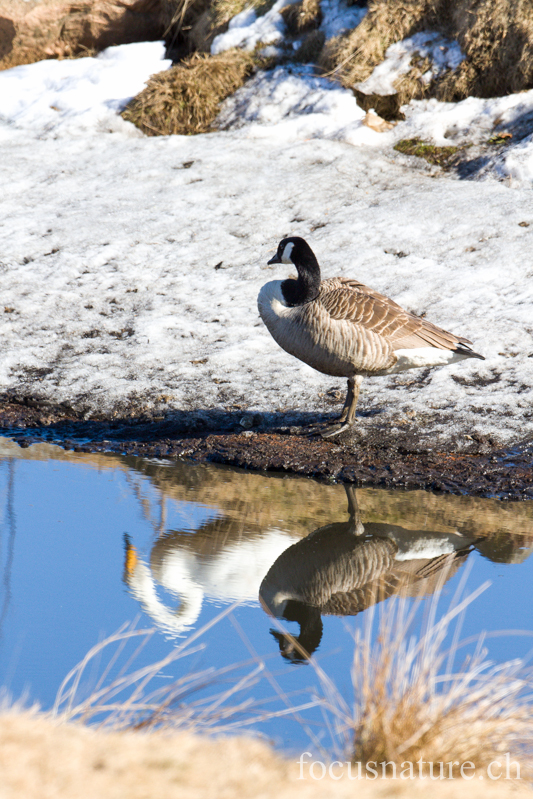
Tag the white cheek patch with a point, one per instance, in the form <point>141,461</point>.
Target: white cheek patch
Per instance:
<point>286,254</point>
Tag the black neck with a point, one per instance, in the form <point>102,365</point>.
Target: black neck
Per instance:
<point>306,288</point>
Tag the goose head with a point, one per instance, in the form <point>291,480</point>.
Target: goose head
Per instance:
<point>296,251</point>
<point>298,649</point>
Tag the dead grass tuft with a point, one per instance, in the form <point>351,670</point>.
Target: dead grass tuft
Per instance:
<point>412,703</point>
<point>353,56</point>
<point>496,37</point>
<point>186,98</point>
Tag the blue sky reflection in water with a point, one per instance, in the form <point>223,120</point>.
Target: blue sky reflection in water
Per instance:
<point>201,537</point>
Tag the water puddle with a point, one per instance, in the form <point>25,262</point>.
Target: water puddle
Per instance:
<point>91,541</point>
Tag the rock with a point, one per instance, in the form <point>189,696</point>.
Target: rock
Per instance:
<point>372,120</point>
<point>32,30</point>
<point>387,106</point>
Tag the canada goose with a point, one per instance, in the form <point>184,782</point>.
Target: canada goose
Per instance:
<point>341,327</point>
<point>344,568</point>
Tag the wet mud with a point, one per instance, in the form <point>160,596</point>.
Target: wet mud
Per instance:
<point>405,455</point>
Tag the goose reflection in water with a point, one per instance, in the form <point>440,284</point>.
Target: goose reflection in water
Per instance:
<point>340,569</point>
<point>344,568</point>
<point>223,561</point>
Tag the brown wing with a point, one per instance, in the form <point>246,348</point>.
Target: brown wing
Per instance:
<point>352,301</point>
<point>407,578</point>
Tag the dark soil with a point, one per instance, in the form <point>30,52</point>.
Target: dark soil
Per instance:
<point>372,454</point>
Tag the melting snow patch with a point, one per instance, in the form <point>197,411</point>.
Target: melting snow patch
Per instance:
<point>338,16</point>
<point>518,164</point>
<point>470,121</point>
<point>246,30</point>
<point>443,54</point>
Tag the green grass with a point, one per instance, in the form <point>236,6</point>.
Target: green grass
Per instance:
<point>440,156</point>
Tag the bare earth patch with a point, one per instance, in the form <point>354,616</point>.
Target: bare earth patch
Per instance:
<point>374,453</point>
<point>35,30</point>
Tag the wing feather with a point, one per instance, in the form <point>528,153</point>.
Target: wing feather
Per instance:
<point>351,301</point>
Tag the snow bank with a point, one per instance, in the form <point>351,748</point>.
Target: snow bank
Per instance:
<point>130,266</point>
<point>291,103</point>
<point>73,97</point>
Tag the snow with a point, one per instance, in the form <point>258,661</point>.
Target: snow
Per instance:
<point>291,104</point>
<point>443,53</point>
<point>338,16</point>
<point>247,30</point>
<point>130,265</point>
<point>78,96</point>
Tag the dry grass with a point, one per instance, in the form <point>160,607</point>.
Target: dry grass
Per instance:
<point>123,697</point>
<point>412,703</point>
<point>186,98</point>
<point>199,21</point>
<point>302,17</point>
<point>56,760</point>
<point>496,37</point>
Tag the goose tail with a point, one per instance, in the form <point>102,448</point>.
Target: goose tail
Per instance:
<point>464,349</point>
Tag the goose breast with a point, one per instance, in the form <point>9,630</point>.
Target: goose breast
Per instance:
<point>322,334</point>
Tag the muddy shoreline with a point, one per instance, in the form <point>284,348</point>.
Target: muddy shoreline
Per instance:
<point>375,454</point>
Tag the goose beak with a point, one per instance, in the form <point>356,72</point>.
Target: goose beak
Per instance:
<point>275,260</point>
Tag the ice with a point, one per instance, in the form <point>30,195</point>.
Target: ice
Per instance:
<point>130,275</point>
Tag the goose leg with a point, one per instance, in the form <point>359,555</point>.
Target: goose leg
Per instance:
<point>347,416</point>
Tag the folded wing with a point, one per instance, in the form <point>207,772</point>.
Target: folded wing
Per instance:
<point>349,300</point>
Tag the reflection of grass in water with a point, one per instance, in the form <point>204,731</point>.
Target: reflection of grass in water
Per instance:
<point>298,504</point>
<point>411,702</point>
